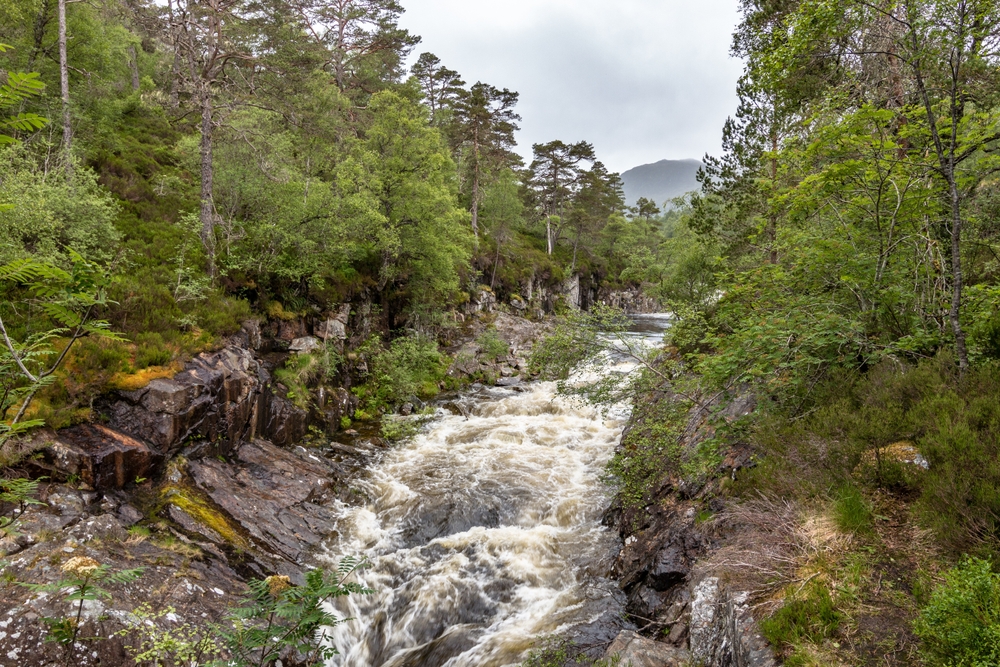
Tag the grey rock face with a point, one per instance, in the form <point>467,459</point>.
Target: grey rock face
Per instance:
<point>632,649</point>
<point>305,344</point>
<point>723,632</point>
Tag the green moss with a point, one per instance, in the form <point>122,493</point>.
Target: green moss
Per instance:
<point>205,513</point>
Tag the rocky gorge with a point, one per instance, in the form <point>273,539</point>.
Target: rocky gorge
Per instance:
<point>214,476</point>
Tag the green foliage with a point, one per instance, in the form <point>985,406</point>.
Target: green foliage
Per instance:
<point>177,645</point>
<point>18,494</point>
<point>810,617</point>
<point>65,302</point>
<point>303,370</point>
<point>17,88</point>
<point>960,626</point>
<point>42,215</point>
<point>492,345</point>
<point>278,618</point>
<point>592,356</point>
<point>83,580</point>
<point>410,366</point>
<point>649,451</point>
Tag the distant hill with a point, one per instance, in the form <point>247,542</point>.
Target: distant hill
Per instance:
<point>660,181</point>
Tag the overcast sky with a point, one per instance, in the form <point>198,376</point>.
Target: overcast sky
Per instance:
<point>642,80</point>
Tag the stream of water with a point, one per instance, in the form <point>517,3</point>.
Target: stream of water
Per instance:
<point>484,532</point>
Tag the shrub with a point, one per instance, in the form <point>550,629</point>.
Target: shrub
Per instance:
<point>411,366</point>
<point>492,345</point>
<point>151,350</point>
<point>960,626</point>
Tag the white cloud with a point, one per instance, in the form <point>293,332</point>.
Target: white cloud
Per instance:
<point>641,79</point>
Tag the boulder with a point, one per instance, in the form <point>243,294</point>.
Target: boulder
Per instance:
<point>305,345</point>
<point>632,649</point>
<point>723,632</point>
<point>100,456</point>
<point>285,423</point>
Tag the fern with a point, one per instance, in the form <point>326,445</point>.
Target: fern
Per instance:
<point>20,86</point>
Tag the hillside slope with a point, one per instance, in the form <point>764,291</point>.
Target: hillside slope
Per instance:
<point>661,181</point>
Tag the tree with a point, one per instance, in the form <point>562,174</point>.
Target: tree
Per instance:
<point>502,214</point>
<point>553,177</point>
<point>207,37</point>
<point>645,210</point>
<point>400,189</point>
<point>365,45</point>
<point>945,48</point>
<point>598,197</point>
<point>440,85</point>
<point>485,122</point>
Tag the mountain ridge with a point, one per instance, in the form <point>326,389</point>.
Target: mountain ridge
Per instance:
<point>661,181</point>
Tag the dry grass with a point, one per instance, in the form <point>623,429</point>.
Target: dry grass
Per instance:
<point>139,379</point>
<point>771,544</point>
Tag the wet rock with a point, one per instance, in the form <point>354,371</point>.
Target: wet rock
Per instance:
<point>722,630</point>
<point>670,566</point>
<point>128,515</point>
<point>632,649</point>
<point>218,397</point>
<point>406,409</point>
<point>276,497</point>
<point>286,422</point>
<point>100,456</point>
<point>305,345</point>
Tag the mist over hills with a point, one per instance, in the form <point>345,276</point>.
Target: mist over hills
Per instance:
<point>661,181</point>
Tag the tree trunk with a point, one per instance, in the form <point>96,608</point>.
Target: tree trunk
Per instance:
<point>475,200</point>
<point>548,234</point>
<point>772,221</point>
<point>175,68</point>
<point>956,278</point>
<point>207,213</point>
<point>64,83</point>
<point>133,64</point>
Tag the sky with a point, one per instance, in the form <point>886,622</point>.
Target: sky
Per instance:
<point>643,80</point>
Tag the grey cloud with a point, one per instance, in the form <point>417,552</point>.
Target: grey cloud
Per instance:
<point>641,79</point>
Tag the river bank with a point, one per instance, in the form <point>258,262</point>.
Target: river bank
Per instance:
<point>205,480</point>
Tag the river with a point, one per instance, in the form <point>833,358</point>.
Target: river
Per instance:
<point>484,531</point>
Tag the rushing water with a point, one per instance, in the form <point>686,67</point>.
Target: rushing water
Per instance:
<point>483,533</point>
